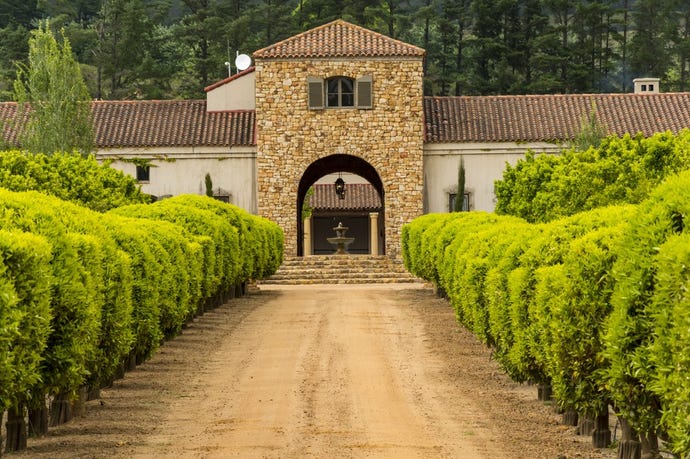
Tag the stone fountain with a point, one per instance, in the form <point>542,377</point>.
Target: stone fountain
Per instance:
<point>340,242</point>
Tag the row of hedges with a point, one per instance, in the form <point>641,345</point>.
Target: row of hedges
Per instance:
<point>70,177</point>
<point>594,305</point>
<point>621,170</point>
<point>83,295</point>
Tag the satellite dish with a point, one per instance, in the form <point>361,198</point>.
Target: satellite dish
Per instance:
<point>242,62</point>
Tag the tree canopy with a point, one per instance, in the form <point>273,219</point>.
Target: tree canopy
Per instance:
<point>144,49</point>
<point>51,87</point>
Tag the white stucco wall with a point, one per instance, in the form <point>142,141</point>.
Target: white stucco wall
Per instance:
<point>235,94</point>
<point>484,164</point>
<point>183,171</point>
<point>233,171</point>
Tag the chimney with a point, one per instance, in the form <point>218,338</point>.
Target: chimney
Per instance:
<point>646,85</point>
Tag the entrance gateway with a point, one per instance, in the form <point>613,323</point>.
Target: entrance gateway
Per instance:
<point>339,98</point>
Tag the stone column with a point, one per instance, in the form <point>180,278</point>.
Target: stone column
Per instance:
<point>374,232</point>
<point>306,243</point>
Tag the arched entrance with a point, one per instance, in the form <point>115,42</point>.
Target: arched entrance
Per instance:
<point>330,165</point>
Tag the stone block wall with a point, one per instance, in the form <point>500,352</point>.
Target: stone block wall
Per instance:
<point>290,136</point>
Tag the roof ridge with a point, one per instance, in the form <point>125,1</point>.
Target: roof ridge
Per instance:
<point>295,37</point>
<point>555,96</point>
<point>338,38</point>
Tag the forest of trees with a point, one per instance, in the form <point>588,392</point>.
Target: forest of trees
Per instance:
<point>162,49</point>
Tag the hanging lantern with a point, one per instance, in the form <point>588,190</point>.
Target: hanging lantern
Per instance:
<point>340,188</point>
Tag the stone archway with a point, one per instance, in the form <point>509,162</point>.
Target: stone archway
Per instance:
<point>329,165</point>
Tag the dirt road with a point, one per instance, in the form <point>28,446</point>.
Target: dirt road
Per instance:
<point>319,372</point>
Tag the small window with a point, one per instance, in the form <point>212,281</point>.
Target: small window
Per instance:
<point>644,87</point>
<point>465,202</point>
<point>143,173</point>
<point>340,92</point>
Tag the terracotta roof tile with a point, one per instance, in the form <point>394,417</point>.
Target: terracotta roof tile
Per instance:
<point>156,123</point>
<point>550,117</point>
<point>10,123</point>
<point>169,123</point>
<point>447,119</point>
<point>338,39</point>
<point>358,196</point>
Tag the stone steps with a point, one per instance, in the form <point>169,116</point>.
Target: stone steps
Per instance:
<point>340,269</point>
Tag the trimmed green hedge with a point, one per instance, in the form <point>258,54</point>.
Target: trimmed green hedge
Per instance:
<point>632,373</point>
<point>71,177</point>
<point>25,314</point>
<point>621,170</point>
<point>84,294</point>
<point>594,304</point>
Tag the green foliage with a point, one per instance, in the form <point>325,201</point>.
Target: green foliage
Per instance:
<point>209,185</point>
<point>578,322</point>
<point>669,352</point>
<point>57,97</point>
<point>460,196</point>
<point>594,303</point>
<point>620,171</point>
<point>505,258</point>
<point>142,50</point>
<point>307,210</point>
<point>25,279</point>
<point>146,272</point>
<point>75,315</point>
<point>630,328</point>
<point>81,292</point>
<point>592,132</point>
<point>520,185</point>
<point>70,177</point>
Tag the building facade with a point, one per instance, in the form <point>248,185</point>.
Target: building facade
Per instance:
<point>343,100</point>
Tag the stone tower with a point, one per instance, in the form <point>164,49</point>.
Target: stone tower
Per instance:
<point>339,98</point>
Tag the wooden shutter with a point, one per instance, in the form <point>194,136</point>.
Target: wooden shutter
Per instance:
<point>315,89</point>
<point>364,93</point>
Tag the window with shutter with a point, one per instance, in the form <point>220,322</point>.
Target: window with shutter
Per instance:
<point>340,92</point>
<point>316,93</point>
<point>364,92</point>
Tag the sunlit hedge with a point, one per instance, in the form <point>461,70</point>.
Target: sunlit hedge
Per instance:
<point>621,170</point>
<point>70,177</point>
<point>594,304</point>
<point>83,295</point>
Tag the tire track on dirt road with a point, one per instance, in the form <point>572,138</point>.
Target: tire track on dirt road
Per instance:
<point>380,371</point>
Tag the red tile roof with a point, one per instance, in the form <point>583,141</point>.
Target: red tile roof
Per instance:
<point>338,39</point>
<point>550,117</point>
<point>156,123</point>
<point>169,123</point>
<point>358,196</point>
<point>10,123</point>
<point>447,119</point>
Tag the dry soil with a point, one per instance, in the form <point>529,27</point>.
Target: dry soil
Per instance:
<point>319,372</point>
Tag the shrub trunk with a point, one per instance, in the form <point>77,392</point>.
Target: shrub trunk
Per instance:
<point>629,446</point>
<point>544,392</point>
<point>601,436</point>
<point>16,429</point>
<point>585,425</point>
<point>38,421</point>
<point>570,417</point>
<point>60,410</point>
